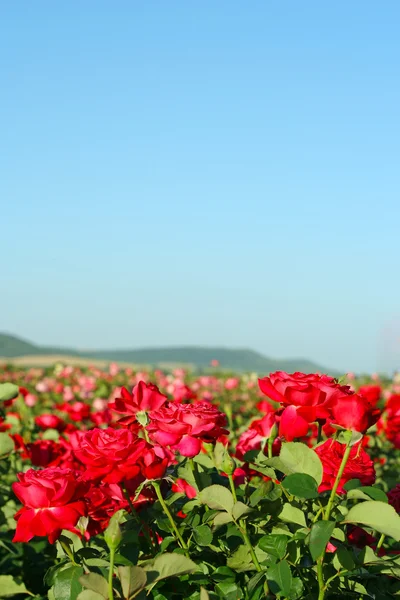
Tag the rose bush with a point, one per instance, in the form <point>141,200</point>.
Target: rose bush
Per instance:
<point>197,486</point>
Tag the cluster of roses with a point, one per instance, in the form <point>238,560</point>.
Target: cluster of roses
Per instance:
<point>300,404</point>
<point>96,472</point>
<point>93,473</point>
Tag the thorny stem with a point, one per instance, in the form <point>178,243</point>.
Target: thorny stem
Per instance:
<point>337,481</point>
<point>380,542</point>
<point>166,510</point>
<point>111,575</point>
<point>232,486</point>
<point>270,443</point>
<point>245,535</point>
<point>320,562</point>
<point>320,577</point>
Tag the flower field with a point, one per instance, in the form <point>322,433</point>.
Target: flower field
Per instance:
<point>122,485</point>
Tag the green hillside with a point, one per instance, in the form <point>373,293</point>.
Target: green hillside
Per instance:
<point>198,357</point>
<point>12,346</point>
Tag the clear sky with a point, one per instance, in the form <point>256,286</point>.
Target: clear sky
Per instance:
<point>213,173</point>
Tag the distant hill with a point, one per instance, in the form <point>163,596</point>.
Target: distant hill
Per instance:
<point>11,346</point>
<point>195,356</point>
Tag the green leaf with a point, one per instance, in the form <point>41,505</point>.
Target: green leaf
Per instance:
<point>348,437</point>
<point>296,590</point>
<point>367,555</point>
<point>281,575</point>
<point>343,559</point>
<point>378,515</point>
<point>96,583</point>
<point>264,470</point>
<point>6,444</point>
<point>222,518</point>
<point>97,562</point>
<point>67,585</point>
<point>255,581</point>
<point>352,484</point>
<point>301,485</point>
<point>320,535</point>
<point>291,514</point>
<point>217,497</point>
<point>72,540</point>
<point>366,492</point>
<point>50,574</point>
<point>220,455</point>
<point>170,565</point>
<point>89,595</point>
<point>8,391</point>
<point>275,545</point>
<point>223,574</point>
<point>167,541</point>
<point>240,509</point>
<point>9,587</point>
<point>296,457</point>
<point>50,434</point>
<point>133,579</point>
<point>261,492</point>
<point>339,534</point>
<point>203,535</point>
<point>240,560</point>
<point>228,590</point>
<point>359,588</point>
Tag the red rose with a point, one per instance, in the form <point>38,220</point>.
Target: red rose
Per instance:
<point>102,417</point>
<point>111,455</point>
<point>49,421</point>
<point>183,487</point>
<point>259,431</point>
<point>144,397</point>
<point>265,406</point>
<point>53,501</point>
<point>154,461</point>
<point>300,389</point>
<point>4,426</point>
<point>390,421</point>
<point>103,501</point>
<point>394,497</point>
<point>359,538</point>
<point>359,465</point>
<point>77,411</point>
<point>354,412</point>
<point>304,398</point>
<point>116,455</point>
<point>371,392</point>
<point>47,453</point>
<point>183,393</point>
<point>185,426</point>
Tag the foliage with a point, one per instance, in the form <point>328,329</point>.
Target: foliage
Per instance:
<point>218,500</point>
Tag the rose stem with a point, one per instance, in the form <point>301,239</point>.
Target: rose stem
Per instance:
<point>165,508</point>
<point>320,561</point>
<point>245,535</point>
<point>111,575</point>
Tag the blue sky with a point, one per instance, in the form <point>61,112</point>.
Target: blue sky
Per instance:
<point>214,173</point>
